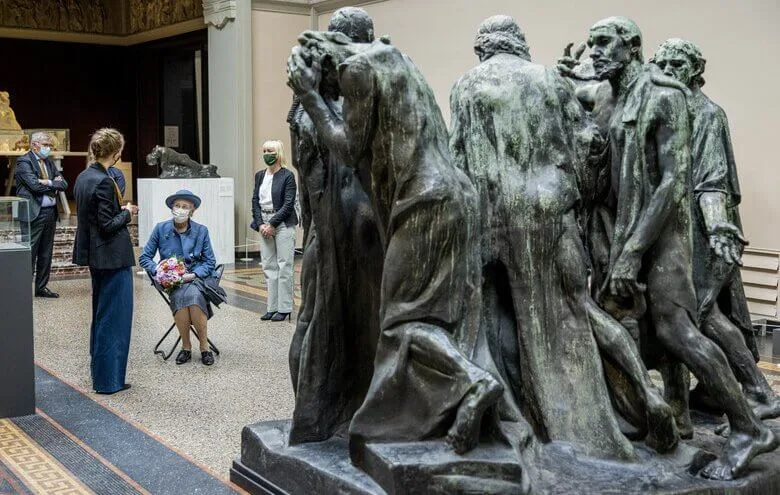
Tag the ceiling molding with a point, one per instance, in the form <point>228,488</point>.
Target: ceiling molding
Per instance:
<point>282,7</point>
<point>104,39</point>
<point>164,32</point>
<point>37,34</point>
<point>327,6</point>
<point>307,7</point>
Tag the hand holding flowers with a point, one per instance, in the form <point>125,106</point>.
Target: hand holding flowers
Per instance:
<point>171,273</point>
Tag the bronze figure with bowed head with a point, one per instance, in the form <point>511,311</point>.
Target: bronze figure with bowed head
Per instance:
<point>651,252</point>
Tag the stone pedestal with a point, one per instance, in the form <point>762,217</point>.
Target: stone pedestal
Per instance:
<point>17,385</point>
<point>268,465</point>
<point>215,212</point>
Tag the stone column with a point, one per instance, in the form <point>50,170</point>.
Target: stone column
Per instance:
<point>230,99</point>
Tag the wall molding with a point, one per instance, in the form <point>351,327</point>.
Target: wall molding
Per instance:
<point>328,6</point>
<point>307,7</point>
<point>104,39</point>
<point>218,13</point>
<point>282,7</point>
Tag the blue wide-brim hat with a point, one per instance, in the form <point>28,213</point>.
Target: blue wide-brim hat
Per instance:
<point>182,194</point>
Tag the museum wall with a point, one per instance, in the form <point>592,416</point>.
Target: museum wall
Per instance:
<point>737,38</point>
<point>71,86</point>
<point>273,35</point>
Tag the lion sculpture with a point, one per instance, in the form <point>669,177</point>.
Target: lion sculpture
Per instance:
<point>175,165</point>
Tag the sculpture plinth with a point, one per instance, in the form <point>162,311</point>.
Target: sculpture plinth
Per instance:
<point>268,465</point>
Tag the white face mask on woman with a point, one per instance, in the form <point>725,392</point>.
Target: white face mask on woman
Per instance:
<point>180,215</point>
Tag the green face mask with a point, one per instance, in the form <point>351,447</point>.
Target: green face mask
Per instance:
<point>269,158</point>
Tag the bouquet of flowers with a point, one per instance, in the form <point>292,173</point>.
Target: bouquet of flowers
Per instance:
<point>170,273</point>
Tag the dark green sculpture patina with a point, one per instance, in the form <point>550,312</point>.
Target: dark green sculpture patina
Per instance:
<point>651,251</point>
<point>526,143</point>
<point>332,351</point>
<point>717,233</point>
<point>425,383</point>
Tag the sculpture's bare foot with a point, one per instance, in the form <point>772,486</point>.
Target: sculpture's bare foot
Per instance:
<point>738,452</point>
<point>766,409</point>
<point>723,430</point>
<point>662,435</point>
<point>464,433</point>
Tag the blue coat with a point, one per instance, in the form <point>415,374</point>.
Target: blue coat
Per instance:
<point>194,246</point>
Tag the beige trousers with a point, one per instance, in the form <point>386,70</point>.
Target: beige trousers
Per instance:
<point>276,257</point>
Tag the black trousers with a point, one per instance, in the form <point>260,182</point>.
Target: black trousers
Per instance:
<point>42,231</point>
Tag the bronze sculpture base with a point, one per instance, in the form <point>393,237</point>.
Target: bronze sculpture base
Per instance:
<point>269,466</point>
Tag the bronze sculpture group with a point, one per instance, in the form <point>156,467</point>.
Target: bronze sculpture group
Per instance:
<point>511,281</point>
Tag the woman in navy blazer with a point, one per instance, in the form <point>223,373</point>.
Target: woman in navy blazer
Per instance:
<point>274,217</point>
<point>103,243</point>
<point>183,238</point>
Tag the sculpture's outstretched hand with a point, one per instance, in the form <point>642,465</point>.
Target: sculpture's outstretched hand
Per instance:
<point>303,70</point>
<point>728,242</point>
<point>567,63</point>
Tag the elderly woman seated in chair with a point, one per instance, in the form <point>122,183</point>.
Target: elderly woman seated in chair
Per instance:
<point>183,238</point>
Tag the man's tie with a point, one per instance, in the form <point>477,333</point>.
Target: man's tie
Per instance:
<point>45,175</point>
<point>44,172</point>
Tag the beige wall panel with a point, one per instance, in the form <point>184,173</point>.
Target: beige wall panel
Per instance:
<point>736,37</point>
<point>766,279</point>
<point>760,261</point>
<point>762,309</point>
<point>763,294</point>
<point>273,36</point>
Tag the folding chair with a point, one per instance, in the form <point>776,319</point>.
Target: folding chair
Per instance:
<point>161,291</point>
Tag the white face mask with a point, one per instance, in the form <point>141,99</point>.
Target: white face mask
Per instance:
<point>180,215</point>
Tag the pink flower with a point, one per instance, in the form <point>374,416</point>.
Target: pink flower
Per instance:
<point>169,273</point>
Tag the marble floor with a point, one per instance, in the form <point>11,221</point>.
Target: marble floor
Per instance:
<point>199,411</point>
<point>195,409</point>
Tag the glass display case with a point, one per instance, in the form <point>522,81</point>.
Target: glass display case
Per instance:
<point>17,387</point>
<point>14,224</point>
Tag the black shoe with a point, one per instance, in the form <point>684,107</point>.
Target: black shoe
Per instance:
<point>207,357</point>
<point>183,356</point>
<point>268,315</point>
<point>281,317</point>
<point>124,387</point>
<point>45,292</point>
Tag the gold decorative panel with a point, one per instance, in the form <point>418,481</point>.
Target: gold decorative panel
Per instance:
<point>151,14</point>
<point>79,16</point>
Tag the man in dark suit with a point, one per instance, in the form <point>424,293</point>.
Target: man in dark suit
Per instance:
<point>39,181</point>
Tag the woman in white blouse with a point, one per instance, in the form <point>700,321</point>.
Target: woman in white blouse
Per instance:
<point>273,214</point>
